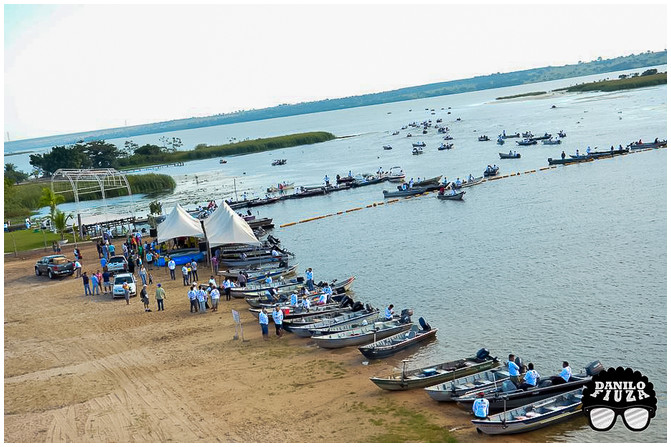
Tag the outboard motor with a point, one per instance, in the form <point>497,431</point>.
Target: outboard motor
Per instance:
<point>369,308</point>
<point>346,301</point>
<point>405,316</point>
<point>424,324</point>
<point>482,354</point>
<point>594,368</point>
<point>357,306</point>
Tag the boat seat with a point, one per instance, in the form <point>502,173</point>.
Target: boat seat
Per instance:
<point>411,334</point>
<point>484,382</point>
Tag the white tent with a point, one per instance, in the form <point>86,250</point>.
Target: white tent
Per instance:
<point>224,226</point>
<point>179,224</point>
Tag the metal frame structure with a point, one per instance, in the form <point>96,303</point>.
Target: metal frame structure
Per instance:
<point>96,180</point>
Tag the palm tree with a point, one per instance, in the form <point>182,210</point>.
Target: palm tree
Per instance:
<point>60,221</point>
<point>51,199</point>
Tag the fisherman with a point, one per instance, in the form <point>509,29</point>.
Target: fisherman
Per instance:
<point>563,155</point>
<point>564,375</point>
<point>481,406</point>
<point>326,180</point>
<point>530,378</point>
<point>513,370</point>
<point>470,177</point>
<point>389,312</point>
<point>412,182</point>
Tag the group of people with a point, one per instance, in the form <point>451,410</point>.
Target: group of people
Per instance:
<point>524,382</point>
<point>491,169</point>
<point>96,283</point>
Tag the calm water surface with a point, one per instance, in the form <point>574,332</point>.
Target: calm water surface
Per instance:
<point>565,264</point>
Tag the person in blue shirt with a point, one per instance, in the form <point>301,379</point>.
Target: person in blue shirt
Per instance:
<point>564,375</point>
<point>481,406</point>
<point>309,282</point>
<point>513,370</point>
<point>389,312</point>
<point>530,378</point>
<point>263,321</point>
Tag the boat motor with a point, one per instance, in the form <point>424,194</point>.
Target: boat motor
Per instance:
<point>482,354</point>
<point>594,368</point>
<point>424,324</point>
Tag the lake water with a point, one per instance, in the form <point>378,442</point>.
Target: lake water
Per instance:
<point>563,264</point>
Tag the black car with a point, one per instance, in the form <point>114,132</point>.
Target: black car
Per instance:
<point>54,265</point>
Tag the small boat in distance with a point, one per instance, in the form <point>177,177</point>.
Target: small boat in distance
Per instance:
<point>403,193</point>
<point>222,161</point>
<point>509,155</point>
<point>527,142</point>
<point>491,171</point>
<point>386,148</point>
<point>483,138</point>
<point>444,146</point>
<point>449,196</point>
<point>419,144</point>
<point>417,151</point>
<point>279,162</point>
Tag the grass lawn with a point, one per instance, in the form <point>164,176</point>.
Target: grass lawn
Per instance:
<point>29,239</point>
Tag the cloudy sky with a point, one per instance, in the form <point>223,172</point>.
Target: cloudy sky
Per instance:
<point>78,68</point>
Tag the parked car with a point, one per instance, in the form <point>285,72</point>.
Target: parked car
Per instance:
<point>117,289</point>
<point>117,264</point>
<point>54,265</point>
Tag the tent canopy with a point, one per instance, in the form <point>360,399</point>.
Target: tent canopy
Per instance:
<point>224,226</point>
<point>179,224</point>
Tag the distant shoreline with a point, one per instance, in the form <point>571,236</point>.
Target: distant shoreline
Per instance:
<point>476,83</point>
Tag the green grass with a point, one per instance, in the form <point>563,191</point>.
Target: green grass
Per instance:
<point>619,84</point>
<point>521,95</point>
<point>29,240</point>
<point>404,425</point>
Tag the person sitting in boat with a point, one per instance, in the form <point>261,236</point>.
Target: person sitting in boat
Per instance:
<point>489,168</point>
<point>389,312</point>
<point>457,183</point>
<point>327,181</point>
<point>327,290</point>
<point>620,148</point>
<point>564,375</point>
<point>293,300</point>
<point>404,186</point>
<point>441,191</point>
<point>481,406</point>
<point>640,141</point>
<point>445,181</point>
<point>563,155</point>
<point>510,153</point>
<point>530,378</point>
<point>470,177</point>
<point>577,153</point>
<point>411,182</point>
<point>588,150</point>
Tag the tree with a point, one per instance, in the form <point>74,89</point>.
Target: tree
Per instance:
<point>51,199</point>
<point>101,154</point>
<point>129,148</point>
<point>14,175</point>
<point>155,207</point>
<point>171,144</point>
<point>61,157</point>
<point>649,72</point>
<point>148,150</point>
<point>60,221</point>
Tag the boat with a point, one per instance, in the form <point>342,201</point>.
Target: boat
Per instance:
<point>396,343</point>
<point>587,157</point>
<point>261,288</point>
<point>527,142</point>
<point>447,196</point>
<point>362,334</point>
<point>281,187</point>
<point>600,154</point>
<point>403,193</point>
<point>444,146</point>
<point>552,141</point>
<point>466,184</point>
<point>367,179</point>
<point>396,174</point>
<point>527,135</point>
<point>508,395</point>
<point>653,145</point>
<point>345,180</point>
<point>483,138</point>
<point>222,161</point>
<point>419,144</point>
<point>396,132</point>
<point>448,137</point>
<point>319,327</point>
<point>417,151</point>
<point>547,136</point>
<point>543,413</point>
<point>434,374</point>
<point>428,181</point>
<point>279,162</point>
<point>448,391</point>
<point>260,275</point>
<point>386,148</point>
<point>500,140</point>
<point>298,313</point>
<point>561,134</point>
<point>509,155</point>
<point>491,172</point>
<point>512,135</point>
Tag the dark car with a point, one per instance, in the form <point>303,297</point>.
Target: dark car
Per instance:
<point>54,265</point>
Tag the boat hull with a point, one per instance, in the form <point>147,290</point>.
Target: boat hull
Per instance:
<point>401,341</point>
<point>406,193</point>
<point>457,196</point>
<point>358,337</point>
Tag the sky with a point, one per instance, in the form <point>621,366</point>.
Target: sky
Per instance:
<point>73,68</point>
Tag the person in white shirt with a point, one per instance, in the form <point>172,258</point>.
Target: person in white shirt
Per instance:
<point>294,300</point>
<point>323,298</point>
<point>530,378</point>
<point>513,370</point>
<point>201,299</point>
<point>278,317</point>
<point>263,321</point>
<point>212,282</point>
<point>306,303</point>
<point>481,406</point>
<point>564,375</point>
<point>389,312</point>
<point>193,299</point>
<point>214,297</point>
<point>171,267</point>
<point>185,275</point>
<point>227,289</point>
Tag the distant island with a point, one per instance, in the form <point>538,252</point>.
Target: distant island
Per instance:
<point>646,79</point>
<point>521,95</point>
<point>495,80</point>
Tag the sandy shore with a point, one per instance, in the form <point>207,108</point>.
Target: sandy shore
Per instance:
<point>82,370</point>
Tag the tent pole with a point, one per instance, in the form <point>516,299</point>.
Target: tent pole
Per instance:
<point>207,241</point>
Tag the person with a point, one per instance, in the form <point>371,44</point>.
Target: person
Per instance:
<point>111,249</point>
<point>309,281</point>
<point>242,279</point>
<point>278,316</point>
<point>107,286</point>
<point>171,267</point>
<point>564,374</point>
<point>194,270</point>
<point>326,180</point>
<point>470,177</point>
<point>263,321</point>
<point>131,264</point>
<point>193,299</point>
<point>453,192</point>
<point>293,299</point>
<point>588,150</point>
<point>185,275</point>
<point>530,378</point>
<point>78,268</point>
<point>214,298</point>
<point>103,262</point>
<point>458,183</point>
<point>160,296</point>
<point>411,182</point>
<point>577,153</point>
<point>144,297</point>
<point>95,285</point>
<point>87,287</point>
<point>268,280</point>
<point>323,299</point>
<point>212,282</point>
<point>510,153</point>
<point>227,289</point>
<point>563,155</point>
<point>513,370</point>
<point>126,292</point>
<point>200,293</point>
<point>389,312</point>
<point>481,406</point>
<point>105,252</point>
<point>441,191</point>
<point>143,275</point>
<point>149,257</point>
<point>27,223</point>
<point>306,303</point>
<point>215,263</point>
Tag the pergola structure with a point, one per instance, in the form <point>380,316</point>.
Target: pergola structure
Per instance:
<point>86,181</point>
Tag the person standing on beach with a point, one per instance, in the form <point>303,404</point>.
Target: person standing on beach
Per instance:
<point>99,247</point>
<point>194,270</point>
<point>278,317</point>
<point>87,287</point>
<point>171,267</point>
<point>144,297</point>
<point>263,321</point>
<point>193,299</point>
<point>227,289</point>
<point>242,279</point>
<point>107,286</point>
<point>160,296</point>
<point>78,268</point>
<point>126,292</point>
<point>143,275</point>
<point>185,275</point>
<point>94,285</point>
<point>214,297</point>
<point>201,298</point>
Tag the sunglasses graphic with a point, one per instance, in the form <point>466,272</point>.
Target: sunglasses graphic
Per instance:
<point>634,418</point>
